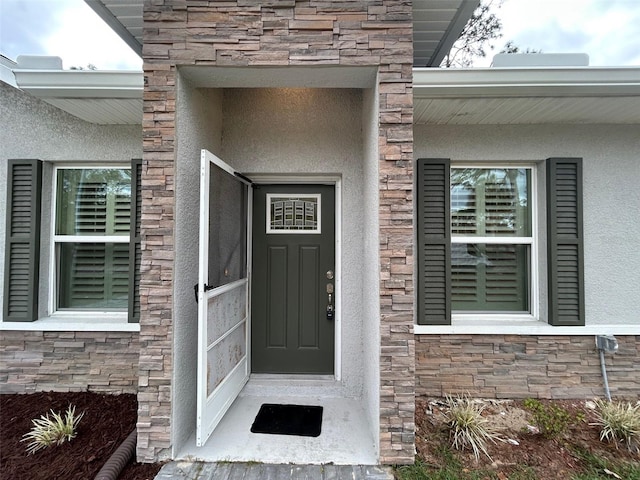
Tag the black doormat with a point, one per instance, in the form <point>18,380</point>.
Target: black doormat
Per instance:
<point>301,420</point>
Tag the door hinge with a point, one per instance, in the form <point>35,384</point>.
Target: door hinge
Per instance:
<point>206,289</point>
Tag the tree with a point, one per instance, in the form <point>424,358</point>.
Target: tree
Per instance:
<point>90,66</point>
<point>483,27</point>
<point>511,47</point>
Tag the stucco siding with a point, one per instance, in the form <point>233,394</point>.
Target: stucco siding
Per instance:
<point>60,360</point>
<point>31,128</point>
<point>371,280</point>
<point>611,168</point>
<point>282,132</point>
<point>310,132</point>
<point>199,126</point>
<point>495,365</point>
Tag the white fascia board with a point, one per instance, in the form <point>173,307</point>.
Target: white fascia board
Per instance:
<point>7,76</point>
<point>80,83</point>
<point>526,82</point>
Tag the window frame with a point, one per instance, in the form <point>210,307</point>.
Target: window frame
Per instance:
<point>55,240</point>
<point>458,316</point>
<point>294,196</point>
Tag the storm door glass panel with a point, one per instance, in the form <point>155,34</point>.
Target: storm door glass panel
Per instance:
<point>93,211</point>
<point>491,231</point>
<point>227,228</point>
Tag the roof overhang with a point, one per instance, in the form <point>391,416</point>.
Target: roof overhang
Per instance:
<point>80,83</point>
<point>437,24</point>
<point>102,97</point>
<point>527,95</point>
<point>441,96</point>
<point>124,17</point>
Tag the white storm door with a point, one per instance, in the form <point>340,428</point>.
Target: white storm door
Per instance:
<point>223,291</point>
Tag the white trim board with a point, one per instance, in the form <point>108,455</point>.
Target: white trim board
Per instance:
<point>96,322</point>
<point>525,328</point>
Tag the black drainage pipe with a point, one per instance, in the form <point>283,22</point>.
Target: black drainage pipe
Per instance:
<point>115,464</point>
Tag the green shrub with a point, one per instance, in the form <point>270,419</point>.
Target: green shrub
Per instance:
<point>552,420</point>
<point>467,427</point>
<point>619,422</point>
<point>56,430</point>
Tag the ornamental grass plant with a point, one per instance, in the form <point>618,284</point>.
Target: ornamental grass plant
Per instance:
<point>54,430</point>
<point>467,427</point>
<point>619,422</point>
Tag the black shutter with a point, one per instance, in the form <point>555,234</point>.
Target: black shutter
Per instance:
<point>22,248</point>
<point>135,254</point>
<point>565,242</point>
<point>434,241</point>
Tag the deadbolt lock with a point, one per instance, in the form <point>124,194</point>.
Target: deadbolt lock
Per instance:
<point>330,312</point>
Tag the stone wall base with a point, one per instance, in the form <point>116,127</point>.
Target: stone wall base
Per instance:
<point>517,366</point>
<point>105,362</point>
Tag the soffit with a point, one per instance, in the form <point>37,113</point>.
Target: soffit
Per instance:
<point>436,24</point>
<point>512,96</point>
<point>441,96</point>
<point>103,111</point>
<point>124,17</point>
<point>323,76</point>
<point>102,97</point>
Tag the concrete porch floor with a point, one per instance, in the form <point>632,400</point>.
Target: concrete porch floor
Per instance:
<point>346,437</point>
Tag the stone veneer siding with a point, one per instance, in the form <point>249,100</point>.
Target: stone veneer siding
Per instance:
<point>279,33</point>
<point>517,366</point>
<point>38,361</point>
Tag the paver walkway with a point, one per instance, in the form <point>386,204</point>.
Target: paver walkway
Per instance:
<point>261,471</point>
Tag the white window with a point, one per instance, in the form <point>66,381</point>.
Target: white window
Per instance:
<point>92,218</point>
<point>493,250</point>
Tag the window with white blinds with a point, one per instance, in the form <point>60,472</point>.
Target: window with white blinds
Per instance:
<point>91,238</point>
<point>491,239</point>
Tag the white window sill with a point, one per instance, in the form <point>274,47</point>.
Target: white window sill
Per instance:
<point>521,327</point>
<point>76,322</point>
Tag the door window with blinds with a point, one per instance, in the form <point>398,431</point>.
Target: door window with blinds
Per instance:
<point>491,239</point>
<point>91,238</point>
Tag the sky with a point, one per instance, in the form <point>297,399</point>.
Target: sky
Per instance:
<point>607,30</point>
<point>65,28</point>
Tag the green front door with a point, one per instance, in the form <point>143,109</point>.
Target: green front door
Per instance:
<point>292,284</point>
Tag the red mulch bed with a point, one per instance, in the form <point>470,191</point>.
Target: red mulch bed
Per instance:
<point>107,421</point>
